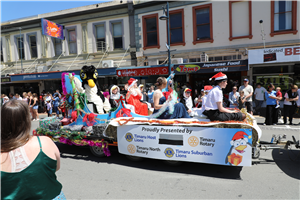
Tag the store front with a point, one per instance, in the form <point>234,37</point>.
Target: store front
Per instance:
<point>279,66</point>
<point>5,85</point>
<point>51,81</point>
<point>199,73</point>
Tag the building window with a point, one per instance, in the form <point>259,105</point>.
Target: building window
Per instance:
<point>202,24</point>
<point>72,41</point>
<point>57,46</point>
<point>117,35</point>
<point>100,37</point>
<point>20,45</point>
<point>283,17</point>
<point>1,52</point>
<point>32,45</point>
<point>177,27</point>
<point>240,20</point>
<point>150,31</point>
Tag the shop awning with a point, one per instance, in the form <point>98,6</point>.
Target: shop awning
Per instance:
<point>212,67</point>
<point>143,71</point>
<point>56,75</point>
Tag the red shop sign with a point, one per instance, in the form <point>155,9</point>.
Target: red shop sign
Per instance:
<point>143,71</point>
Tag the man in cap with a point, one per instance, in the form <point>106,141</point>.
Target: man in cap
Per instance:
<point>248,92</point>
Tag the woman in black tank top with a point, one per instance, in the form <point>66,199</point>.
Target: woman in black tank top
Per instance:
<point>30,104</point>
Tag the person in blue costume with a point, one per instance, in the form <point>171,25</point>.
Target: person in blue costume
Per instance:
<point>160,102</point>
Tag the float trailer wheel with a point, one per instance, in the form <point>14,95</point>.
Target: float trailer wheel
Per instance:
<point>97,151</point>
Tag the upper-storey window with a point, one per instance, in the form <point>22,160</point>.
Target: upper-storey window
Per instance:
<point>150,31</point>
<point>57,46</point>
<point>1,51</point>
<point>32,45</point>
<point>177,27</point>
<point>117,35</point>
<point>72,41</point>
<point>20,45</point>
<point>100,37</point>
<point>283,17</point>
<point>240,20</point>
<point>202,23</point>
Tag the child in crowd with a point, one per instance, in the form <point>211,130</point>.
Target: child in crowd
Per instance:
<point>278,94</point>
<point>49,108</point>
<point>242,100</point>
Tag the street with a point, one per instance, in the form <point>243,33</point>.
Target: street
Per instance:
<point>273,176</point>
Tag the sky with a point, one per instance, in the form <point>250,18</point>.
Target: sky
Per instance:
<point>11,9</point>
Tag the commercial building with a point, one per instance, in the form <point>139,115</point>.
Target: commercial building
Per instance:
<point>129,36</point>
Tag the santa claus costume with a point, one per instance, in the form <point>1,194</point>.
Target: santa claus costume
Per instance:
<point>134,96</point>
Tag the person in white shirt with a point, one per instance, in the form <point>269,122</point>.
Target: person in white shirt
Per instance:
<point>214,109</point>
<point>248,92</point>
<point>259,95</point>
<point>18,96</point>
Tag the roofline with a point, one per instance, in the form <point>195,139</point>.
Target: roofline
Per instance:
<point>39,17</point>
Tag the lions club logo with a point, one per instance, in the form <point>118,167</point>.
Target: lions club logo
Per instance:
<point>131,149</point>
<point>129,137</point>
<point>169,152</point>
<point>193,141</point>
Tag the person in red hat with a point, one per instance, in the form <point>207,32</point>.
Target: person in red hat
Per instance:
<point>134,96</point>
<point>214,109</point>
<point>187,101</point>
<point>207,88</point>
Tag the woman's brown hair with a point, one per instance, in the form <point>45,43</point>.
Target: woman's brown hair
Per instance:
<point>160,81</point>
<point>15,125</point>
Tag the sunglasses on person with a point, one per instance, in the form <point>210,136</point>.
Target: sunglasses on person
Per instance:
<point>188,92</point>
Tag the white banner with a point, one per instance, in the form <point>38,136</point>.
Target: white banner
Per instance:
<point>222,146</point>
<point>274,55</point>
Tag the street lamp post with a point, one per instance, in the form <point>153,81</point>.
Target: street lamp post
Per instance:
<point>168,33</point>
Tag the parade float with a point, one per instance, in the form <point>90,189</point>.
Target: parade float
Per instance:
<point>197,139</point>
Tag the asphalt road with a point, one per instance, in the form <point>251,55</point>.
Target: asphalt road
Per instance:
<point>274,175</point>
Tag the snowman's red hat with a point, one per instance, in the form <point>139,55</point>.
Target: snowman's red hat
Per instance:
<point>239,135</point>
<point>218,77</point>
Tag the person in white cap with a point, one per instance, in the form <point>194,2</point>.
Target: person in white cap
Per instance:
<point>214,109</point>
<point>248,92</point>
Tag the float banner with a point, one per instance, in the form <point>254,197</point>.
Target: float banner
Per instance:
<point>212,67</point>
<point>221,146</point>
<point>52,29</point>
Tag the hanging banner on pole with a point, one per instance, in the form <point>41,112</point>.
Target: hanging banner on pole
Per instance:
<point>221,146</point>
<point>52,29</point>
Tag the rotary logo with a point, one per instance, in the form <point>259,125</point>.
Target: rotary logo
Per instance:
<point>129,137</point>
<point>169,152</point>
<point>131,149</point>
<point>193,141</point>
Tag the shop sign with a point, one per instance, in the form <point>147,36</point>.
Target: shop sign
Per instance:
<point>143,71</point>
<point>52,29</point>
<point>56,75</point>
<point>38,76</point>
<point>222,146</point>
<point>273,55</point>
<point>5,80</point>
<point>211,67</point>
